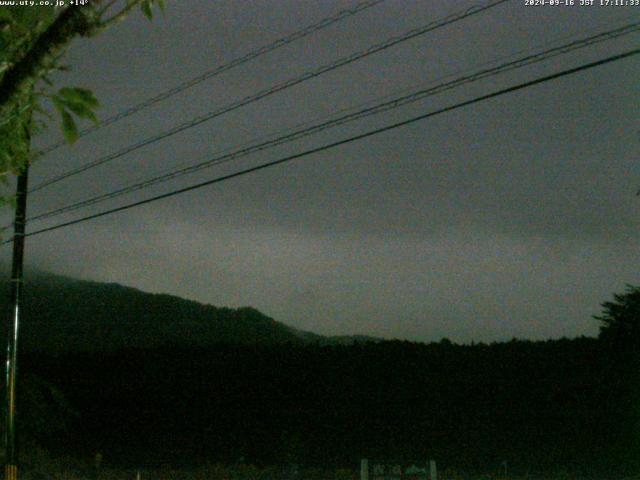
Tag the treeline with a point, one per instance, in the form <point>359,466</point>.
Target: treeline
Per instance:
<point>154,379</point>
<point>540,406</point>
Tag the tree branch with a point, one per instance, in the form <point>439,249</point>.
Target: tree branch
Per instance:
<point>70,23</point>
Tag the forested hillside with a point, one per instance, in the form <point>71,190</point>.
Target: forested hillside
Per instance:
<point>62,314</point>
<point>154,379</point>
<point>538,405</point>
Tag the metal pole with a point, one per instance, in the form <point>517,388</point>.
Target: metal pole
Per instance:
<point>13,319</point>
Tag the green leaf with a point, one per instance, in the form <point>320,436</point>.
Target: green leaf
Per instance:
<point>80,95</point>
<point>161,4</point>
<point>81,111</point>
<point>145,6</point>
<point>88,97</point>
<point>80,101</point>
<point>69,127</point>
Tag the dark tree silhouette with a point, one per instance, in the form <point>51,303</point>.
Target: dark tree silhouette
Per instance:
<point>621,319</point>
<point>620,337</point>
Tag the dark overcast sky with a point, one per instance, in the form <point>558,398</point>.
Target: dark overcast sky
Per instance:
<point>513,217</point>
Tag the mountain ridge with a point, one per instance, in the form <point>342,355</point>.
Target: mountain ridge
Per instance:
<point>63,314</point>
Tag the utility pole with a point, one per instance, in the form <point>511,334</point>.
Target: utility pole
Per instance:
<point>13,320</point>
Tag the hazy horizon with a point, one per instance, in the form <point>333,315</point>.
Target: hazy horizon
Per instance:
<point>30,271</point>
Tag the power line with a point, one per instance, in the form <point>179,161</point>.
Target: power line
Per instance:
<point>276,88</point>
<point>396,93</point>
<point>258,52</point>
<point>375,109</point>
<point>354,138</point>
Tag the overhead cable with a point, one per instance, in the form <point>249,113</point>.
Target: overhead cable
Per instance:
<point>258,52</point>
<point>345,141</point>
<point>274,89</point>
<point>350,117</point>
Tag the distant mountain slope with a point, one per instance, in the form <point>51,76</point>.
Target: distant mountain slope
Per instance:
<point>64,314</point>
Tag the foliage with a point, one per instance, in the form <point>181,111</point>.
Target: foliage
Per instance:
<point>620,321</point>
<point>537,404</point>
<point>620,338</point>
<point>38,464</point>
<point>49,414</point>
<point>32,42</point>
<point>78,101</point>
<point>49,411</point>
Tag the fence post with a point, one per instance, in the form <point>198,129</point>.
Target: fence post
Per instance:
<point>364,469</point>
<point>433,472</point>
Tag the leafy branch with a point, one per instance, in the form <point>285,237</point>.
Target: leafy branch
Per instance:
<point>78,101</point>
<point>32,42</point>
